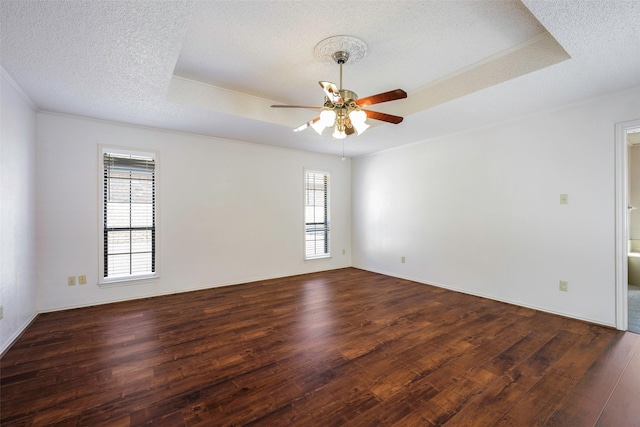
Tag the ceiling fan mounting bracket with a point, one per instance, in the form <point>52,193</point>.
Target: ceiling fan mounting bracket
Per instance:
<point>341,57</point>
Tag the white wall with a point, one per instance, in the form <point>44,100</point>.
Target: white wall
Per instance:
<point>17,211</point>
<point>479,212</point>
<point>229,212</point>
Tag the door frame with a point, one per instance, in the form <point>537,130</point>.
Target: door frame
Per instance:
<point>622,221</point>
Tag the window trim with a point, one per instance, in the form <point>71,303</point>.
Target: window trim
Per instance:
<point>304,218</point>
<point>141,278</point>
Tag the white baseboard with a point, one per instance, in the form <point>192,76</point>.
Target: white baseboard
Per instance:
<point>491,297</point>
<point>180,291</point>
<point>17,334</point>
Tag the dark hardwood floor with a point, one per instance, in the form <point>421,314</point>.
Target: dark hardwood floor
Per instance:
<point>345,347</point>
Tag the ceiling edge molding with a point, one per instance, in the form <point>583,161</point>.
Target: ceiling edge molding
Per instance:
<point>18,89</point>
<point>194,93</point>
<point>532,55</point>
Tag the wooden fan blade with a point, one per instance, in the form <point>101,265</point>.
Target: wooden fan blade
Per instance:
<point>392,95</point>
<point>306,125</point>
<point>390,118</point>
<point>332,92</point>
<point>296,106</point>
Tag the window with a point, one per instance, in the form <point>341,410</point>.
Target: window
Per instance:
<point>128,215</point>
<point>316,214</point>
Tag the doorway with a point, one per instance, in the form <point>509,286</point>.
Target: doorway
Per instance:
<point>633,254</point>
<point>627,152</point>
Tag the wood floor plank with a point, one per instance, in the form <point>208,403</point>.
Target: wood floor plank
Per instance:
<point>342,347</point>
<point>623,407</point>
<point>584,405</point>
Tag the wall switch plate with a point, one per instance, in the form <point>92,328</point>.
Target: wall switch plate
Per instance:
<point>402,260</point>
<point>564,199</point>
<point>1,312</point>
<point>344,251</point>
<point>71,280</point>
<point>82,280</point>
<point>564,286</point>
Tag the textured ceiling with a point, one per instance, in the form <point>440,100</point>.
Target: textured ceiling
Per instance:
<point>266,48</point>
<point>214,67</point>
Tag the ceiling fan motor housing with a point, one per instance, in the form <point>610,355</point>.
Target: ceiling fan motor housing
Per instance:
<point>348,96</point>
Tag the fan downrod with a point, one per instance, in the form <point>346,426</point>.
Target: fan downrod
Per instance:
<point>341,57</point>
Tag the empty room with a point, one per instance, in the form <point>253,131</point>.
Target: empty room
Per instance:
<point>319,213</point>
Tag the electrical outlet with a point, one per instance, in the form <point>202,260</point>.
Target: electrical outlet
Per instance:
<point>402,260</point>
<point>564,199</point>
<point>344,251</point>
<point>82,280</point>
<point>564,286</point>
<point>1,312</point>
<point>71,280</point>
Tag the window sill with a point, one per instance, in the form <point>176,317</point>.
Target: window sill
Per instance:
<point>318,257</point>
<point>127,281</point>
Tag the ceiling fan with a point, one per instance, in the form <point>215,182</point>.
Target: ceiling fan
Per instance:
<point>342,110</point>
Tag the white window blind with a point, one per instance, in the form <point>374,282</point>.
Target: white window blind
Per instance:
<point>129,215</point>
<point>317,214</point>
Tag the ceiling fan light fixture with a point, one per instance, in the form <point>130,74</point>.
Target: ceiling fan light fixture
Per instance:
<point>342,107</point>
<point>318,126</point>
<point>360,127</point>
<point>328,118</point>
<point>358,120</point>
<point>358,116</point>
<point>339,134</point>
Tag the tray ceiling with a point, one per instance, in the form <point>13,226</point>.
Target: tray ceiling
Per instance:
<point>214,67</point>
